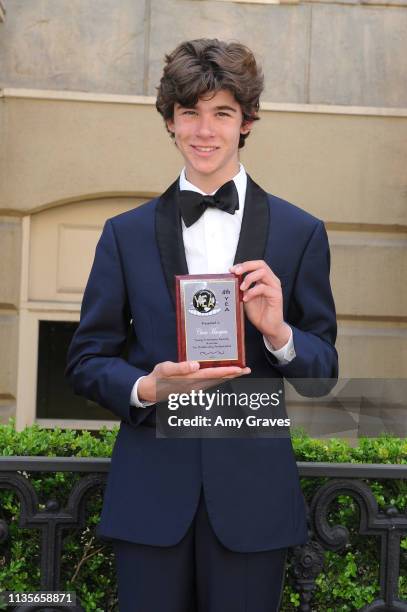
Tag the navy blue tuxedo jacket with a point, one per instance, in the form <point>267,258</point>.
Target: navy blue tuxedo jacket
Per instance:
<point>251,486</point>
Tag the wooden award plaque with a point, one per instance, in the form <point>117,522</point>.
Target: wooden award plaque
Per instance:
<point>210,319</point>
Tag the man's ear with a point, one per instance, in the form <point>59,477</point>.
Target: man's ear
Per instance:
<point>246,126</point>
<point>170,125</point>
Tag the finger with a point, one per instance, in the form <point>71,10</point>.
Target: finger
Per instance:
<point>245,372</point>
<point>253,277</point>
<point>171,368</point>
<point>262,290</point>
<point>253,265</point>
<point>247,266</point>
<point>218,372</point>
<point>263,274</point>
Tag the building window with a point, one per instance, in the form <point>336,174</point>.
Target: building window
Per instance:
<point>55,398</point>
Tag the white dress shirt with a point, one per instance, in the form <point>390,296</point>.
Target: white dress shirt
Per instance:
<point>210,246</point>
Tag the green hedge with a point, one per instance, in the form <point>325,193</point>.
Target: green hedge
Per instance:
<point>350,577</point>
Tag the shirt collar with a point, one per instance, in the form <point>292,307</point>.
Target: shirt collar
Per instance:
<point>240,180</point>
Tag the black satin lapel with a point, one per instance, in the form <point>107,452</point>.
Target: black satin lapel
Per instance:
<point>255,224</point>
<point>169,237</point>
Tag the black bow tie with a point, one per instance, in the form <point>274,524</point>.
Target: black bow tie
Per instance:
<point>193,204</point>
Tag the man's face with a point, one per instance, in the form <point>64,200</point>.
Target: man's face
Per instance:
<point>207,136</point>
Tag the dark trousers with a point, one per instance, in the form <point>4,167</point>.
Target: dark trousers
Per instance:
<point>198,574</point>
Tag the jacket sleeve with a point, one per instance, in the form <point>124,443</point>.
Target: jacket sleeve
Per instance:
<point>95,366</point>
<point>312,317</point>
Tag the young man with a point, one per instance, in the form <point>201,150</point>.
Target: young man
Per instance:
<point>203,524</point>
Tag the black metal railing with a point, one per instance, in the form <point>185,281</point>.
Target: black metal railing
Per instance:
<point>306,561</point>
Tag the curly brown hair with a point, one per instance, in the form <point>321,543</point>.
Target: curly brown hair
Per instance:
<point>202,66</point>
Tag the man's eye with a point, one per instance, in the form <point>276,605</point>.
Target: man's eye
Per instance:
<point>223,114</point>
<point>189,112</point>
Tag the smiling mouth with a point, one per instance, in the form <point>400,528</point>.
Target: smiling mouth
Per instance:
<point>204,149</point>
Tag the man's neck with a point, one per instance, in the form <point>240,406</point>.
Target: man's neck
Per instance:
<point>210,184</point>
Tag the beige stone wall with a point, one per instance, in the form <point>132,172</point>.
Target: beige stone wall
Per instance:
<point>344,168</point>
<point>348,52</point>
<point>10,263</point>
<point>70,233</point>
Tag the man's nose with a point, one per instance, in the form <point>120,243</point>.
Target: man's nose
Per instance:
<point>205,126</point>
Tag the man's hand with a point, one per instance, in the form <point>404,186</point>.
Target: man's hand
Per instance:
<point>264,302</point>
<point>182,377</point>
